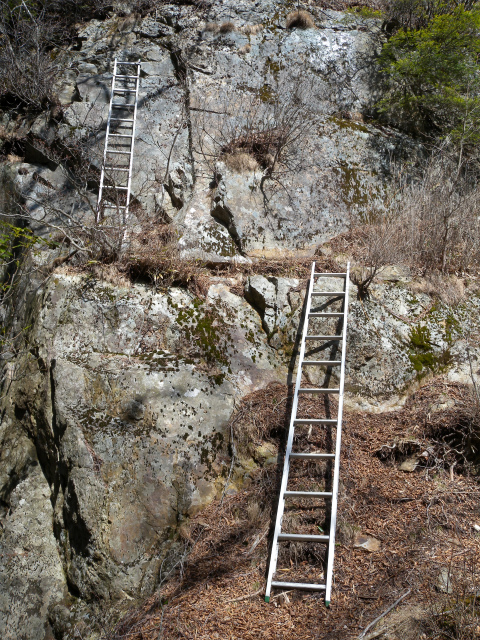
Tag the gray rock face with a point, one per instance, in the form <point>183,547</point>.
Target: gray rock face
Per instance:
<point>127,400</point>
<point>334,164</point>
<point>31,571</point>
<point>401,335</point>
<point>272,300</point>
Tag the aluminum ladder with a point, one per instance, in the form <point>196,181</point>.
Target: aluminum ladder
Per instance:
<point>319,342</point>
<point>116,173</point>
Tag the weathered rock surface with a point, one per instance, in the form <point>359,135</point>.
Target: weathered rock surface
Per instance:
<point>212,94</point>
<point>126,398</point>
<point>31,570</point>
<point>114,424</point>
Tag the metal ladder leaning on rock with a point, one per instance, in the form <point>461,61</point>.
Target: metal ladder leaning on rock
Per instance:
<point>327,423</point>
<point>116,173</point>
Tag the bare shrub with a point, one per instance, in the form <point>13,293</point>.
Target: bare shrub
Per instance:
<point>240,162</point>
<point>270,128</point>
<point>226,27</point>
<point>300,20</point>
<point>455,615</point>
<point>378,241</point>
<point>456,431</point>
<point>431,224</point>
<point>29,68</point>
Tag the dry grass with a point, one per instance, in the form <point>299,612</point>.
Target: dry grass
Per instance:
<point>245,49</point>
<point>227,27</point>
<point>431,223</point>
<point>300,20</point>
<point>448,288</point>
<point>260,145</point>
<point>240,162</point>
<point>154,253</point>
<point>212,27</point>
<point>251,29</point>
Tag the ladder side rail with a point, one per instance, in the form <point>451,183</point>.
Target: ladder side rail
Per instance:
<point>286,464</point>
<point>130,166</point>
<point>338,444</point>
<point>107,131</point>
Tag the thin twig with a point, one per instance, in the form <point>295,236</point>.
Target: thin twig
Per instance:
<point>256,543</point>
<point>250,595</point>
<point>374,622</point>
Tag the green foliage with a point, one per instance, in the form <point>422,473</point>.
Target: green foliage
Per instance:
<point>417,14</point>
<point>422,355</point>
<point>433,75</point>
<point>366,12</point>
<point>13,243</point>
<point>13,238</point>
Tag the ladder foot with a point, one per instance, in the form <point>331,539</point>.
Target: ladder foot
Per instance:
<point>327,603</point>
<point>267,598</point>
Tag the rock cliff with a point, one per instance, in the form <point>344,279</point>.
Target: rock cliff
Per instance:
<point>116,412</point>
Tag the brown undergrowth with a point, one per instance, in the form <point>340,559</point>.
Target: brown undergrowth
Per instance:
<point>154,256</point>
<point>423,520</point>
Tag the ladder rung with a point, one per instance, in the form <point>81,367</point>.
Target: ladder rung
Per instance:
<point>130,63</point>
<point>323,337</point>
<point>124,152</point>
<point>325,390</point>
<point>120,135</point>
<point>113,206</point>
<point>114,186</point>
<point>328,363</point>
<point>308,494</point>
<point>328,293</point>
<point>314,421</point>
<point>123,106</point>
<point>122,119</point>
<point>321,314</point>
<point>298,585</point>
<point>312,456</point>
<point>124,90</point>
<point>129,77</point>
<point>116,168</point>
<point>330,275</point>
<point>302,537</point>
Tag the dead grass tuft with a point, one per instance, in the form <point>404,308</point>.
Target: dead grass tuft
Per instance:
<point>252,29</point>
<point>255,513</point>
<point>240,162</point>
<point>154,254</point>
<point>227,27</point>
<point>300,20</point>
<point>245,49</point>
<point>449,289</point>
<point>212,27</point>
<point>260,417</point>
<point>260,145</point>
<point>111,273</point>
